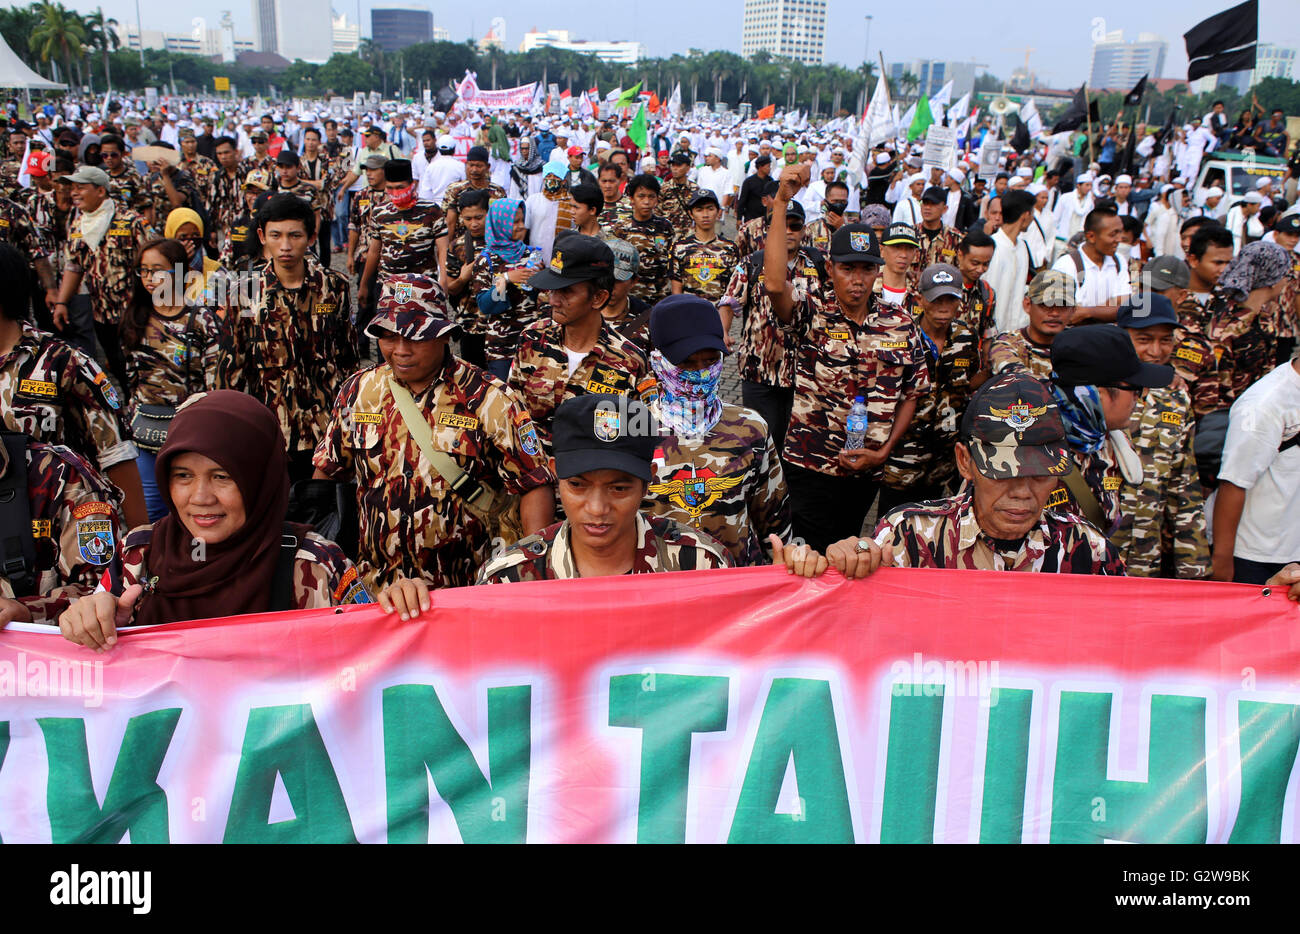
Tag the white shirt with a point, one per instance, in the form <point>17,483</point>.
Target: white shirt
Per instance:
<point>539,217</point>
<point>716,180</point>
<point>1102,284</point>
<point>438,176</point>
<point>908,211</point>
<point>1006,274</point>
<point>1263,417</point>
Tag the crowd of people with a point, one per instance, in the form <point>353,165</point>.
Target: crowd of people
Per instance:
<point>253,361</point>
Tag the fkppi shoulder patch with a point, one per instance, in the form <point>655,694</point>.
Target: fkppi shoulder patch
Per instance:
<point>107,390</point>
<point>95,540</point>
<point>527,432</point>
<point>350,589</point>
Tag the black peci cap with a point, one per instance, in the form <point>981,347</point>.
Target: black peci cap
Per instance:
<point>1103,355</point>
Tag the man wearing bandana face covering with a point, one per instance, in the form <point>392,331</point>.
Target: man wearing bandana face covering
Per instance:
<point>715,466</point>
<point>403,230</point>
<point>834,206</point>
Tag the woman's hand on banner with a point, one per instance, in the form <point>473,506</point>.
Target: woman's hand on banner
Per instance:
<point>407,595</point>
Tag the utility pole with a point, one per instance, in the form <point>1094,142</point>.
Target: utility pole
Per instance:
<point>139,26</point>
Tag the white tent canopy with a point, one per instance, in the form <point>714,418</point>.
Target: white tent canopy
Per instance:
<point>15,74</point>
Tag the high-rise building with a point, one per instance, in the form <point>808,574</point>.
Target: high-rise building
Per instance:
<point>394,28</point>
<point>932,75</point>
<point>787,28</point>
<point>347,36</point>
<point>1118,65</point>
<point>294,29</point>
<point>202,40</point>
<point>620,52</point>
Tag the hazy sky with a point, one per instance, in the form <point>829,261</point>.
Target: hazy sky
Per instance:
<point>991,32</point>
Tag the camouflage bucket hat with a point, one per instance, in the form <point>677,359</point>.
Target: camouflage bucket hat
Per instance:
<point>411,306</point>
<point>1013,428</point>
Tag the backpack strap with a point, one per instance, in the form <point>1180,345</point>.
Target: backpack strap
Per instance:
<point>17,544</point>
<point>1289,443</point>
<point>1084,498</point>
<point>1078,263</point>
<point>282,583</point>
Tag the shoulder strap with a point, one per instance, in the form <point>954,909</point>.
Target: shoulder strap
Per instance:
<point>17,544</point>
<point>469,490</point>
<point>1078,263</point>
<point>1289,443</point>
<point>1084,497</point>
<point>282,582</point>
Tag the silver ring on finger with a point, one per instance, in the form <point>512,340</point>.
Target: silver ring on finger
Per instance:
<point>863,546</point>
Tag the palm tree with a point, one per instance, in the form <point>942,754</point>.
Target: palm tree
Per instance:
<point>101,34</point>
<point>60,34</point>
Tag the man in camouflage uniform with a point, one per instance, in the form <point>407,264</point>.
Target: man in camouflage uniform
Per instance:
<point>752,234</point>
<point>477,175</point>
<point>1194,359</point>
<point>767,352</point>
<point>1012,452</point>
<point>413,525</point>
<point>224,195</point>
<point>895,284</point>
<point>596,450</point>
<point>288,181</point>
<point>75,525</point>
<point>260,159</point>
<point>1097,379</point>
<point>1162,532</point>
<point>922,463</point>
<point>703,260</point>
<point>626,313</point>
<point>978,299</point>
<point>359,215</point>
<point>849,344</point>
<point>677,194</point>
<point>834,206</point>
<point>35,243</point>
<point>198,166</point>
<point>1286,234</point>
<point>938,242</point>
<point>715,467</point>
<point>610,179</point>
<point>108,266</point>
<point>12,165</point>
<point>577,283</point>
<point>1049,303</point>
<point>290,342</point>
<point>1244,326</point>
<point>125,185</point>
<point>403,231</point>
<point>652,236</point>
<point>1208,253</point>
<point>169,187</point>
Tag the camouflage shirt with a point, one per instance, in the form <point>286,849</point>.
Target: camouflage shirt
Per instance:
<point>76,525</point>
<point>224,196</point>
<point>363,202</point>
<point>412,524</point>
<point>1212,385</point>
<point>452,195</point>
<point>253,163</point>
<point>674,196</point>
<point>291,349</point>
<point>1250,337</point>
<point>729,483</point>
<point>174,359</point>
<point>976,309</point>
<point>501,330</point>
<point>302,191</point>
<point>1015,352</point>
<point>184,183</point>
<point>322,575</point>
<point>881,359</point>
<point>19,230</point>
<point>1101,471</point>
<point>620,210</point>
<point>751,236</point>
<point>817,235</point>
<point>1286,308</point>
<point>945,534</point>
<point>703,269</point>
<point>911,302</point>
<point>937,246</point>
<point>10,169</point>
<point>54,224</point>
<point>924,455</point>
<point>1197,365</point>
<point>662,545</point>
<point>129,190</point>
<point>633,322</point>
<point>110,271</point>
<point>540,376</point>
<point>52,392</point>
<point>406,238</point>
<point>766,352</point>
<point>1165,514</point>
<point>653,240</point>
<point>201,169</point>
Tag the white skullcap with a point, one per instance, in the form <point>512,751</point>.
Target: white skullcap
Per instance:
<point>1215,192</point>
<point>957,175</point>
<point>918,177</point>
<point>882,158</point>
<point>1084,179</point>
<point>1123,179</point>
<point>1016,181</point>
<point>1254,197</point>
<point>1263,181</point>
<point>1036,189</point>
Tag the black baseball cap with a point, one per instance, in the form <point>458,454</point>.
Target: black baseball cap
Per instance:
<point>934,195</point>
<point>591,432</point>
<point>286,157</point>
<point>1288,224</point>
<point>855,243</point>
<point>1103,355</point>
<point>900,234</point>
<point>575,258</point>
<point>679,158</point>
<point>703,196</point>
<point>794,209</point>
<point>682,324</point>
<point>1149,309</point>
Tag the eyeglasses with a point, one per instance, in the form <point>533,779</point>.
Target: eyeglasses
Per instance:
<point>796,226</point>
<point>144,272</point>
<point>191,238</point>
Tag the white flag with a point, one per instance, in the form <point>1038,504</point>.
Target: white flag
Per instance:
<point>905,122</point>
<point>939,103</point>
<point>675,102</point>
<point>877,122</point>
<point>959,110</point>
<point>584,106</point>
<point>1029,116</point>
<point>615,94</point>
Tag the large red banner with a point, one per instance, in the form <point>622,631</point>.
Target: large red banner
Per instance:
<point>741,705</point>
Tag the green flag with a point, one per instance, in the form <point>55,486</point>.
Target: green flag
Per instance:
<point>636,132</point>
<point>921,122</point>
<point>628,97</point>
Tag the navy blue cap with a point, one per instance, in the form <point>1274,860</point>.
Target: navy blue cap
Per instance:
<point>1151,308</point>
<point>682,324</point>
<point>1103,355</point>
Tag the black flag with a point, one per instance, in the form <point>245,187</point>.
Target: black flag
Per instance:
<point>1166,132</point>
<point>1020,139</point>
<point>1134,97</point>
<point>1078,111</point>
<point>1224,42</point>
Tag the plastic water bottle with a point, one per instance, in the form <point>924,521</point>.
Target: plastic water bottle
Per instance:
<point>856,426</point>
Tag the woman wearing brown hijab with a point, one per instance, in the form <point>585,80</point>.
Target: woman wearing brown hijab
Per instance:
<point>223,547</point>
